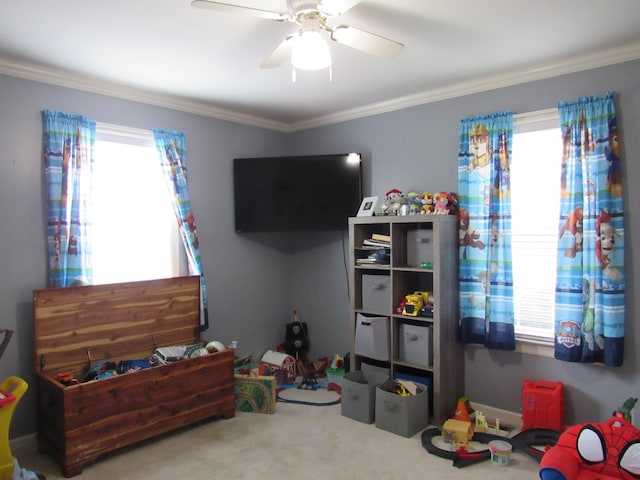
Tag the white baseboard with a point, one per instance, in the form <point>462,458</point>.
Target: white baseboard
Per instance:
<point>25,443</point>
<point>512,421</point>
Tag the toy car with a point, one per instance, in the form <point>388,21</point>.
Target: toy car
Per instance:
<point>413,305</point>
<point>416,303</point>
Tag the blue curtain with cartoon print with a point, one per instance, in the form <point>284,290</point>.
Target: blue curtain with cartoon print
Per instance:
<point>590,283</point>
<point>171,147</point>
<point>484,217</point>
<point>68,144</point>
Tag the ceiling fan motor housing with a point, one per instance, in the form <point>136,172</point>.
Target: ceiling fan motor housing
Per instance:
<point>296,7</point>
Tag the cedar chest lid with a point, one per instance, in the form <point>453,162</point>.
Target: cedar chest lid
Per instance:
<point>79,325</point>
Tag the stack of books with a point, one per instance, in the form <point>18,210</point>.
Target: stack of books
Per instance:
<point>378,250</point>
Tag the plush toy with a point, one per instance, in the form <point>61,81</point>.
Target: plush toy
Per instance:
<point>337,363</point>
<point>426,200</point>
<point>445,203</point>
<point>393,200</point>
<point>415,202</point>
<point>595,451</point>
<point>441,200</point>
<point>452,203</point>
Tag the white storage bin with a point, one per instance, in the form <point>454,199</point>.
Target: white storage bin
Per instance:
<point>419,247</point>
<point>372,337</point>
<point>415,344</point>
<point>376,294</point>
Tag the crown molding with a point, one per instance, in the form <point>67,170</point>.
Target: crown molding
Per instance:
<point>78,82</point>
<point>577,64</point>
<point>585,62</point>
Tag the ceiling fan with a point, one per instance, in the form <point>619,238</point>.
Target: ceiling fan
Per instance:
<point>313,18</point>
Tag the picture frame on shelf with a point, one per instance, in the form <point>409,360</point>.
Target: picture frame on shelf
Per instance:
<point>368,206</point>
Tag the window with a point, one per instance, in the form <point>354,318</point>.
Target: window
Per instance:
<point>535,194</point>
<point>135,233</point>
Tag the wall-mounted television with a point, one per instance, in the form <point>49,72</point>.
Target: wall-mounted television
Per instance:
<point>296,193</point>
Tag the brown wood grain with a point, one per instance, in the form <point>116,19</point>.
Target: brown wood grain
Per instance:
<point>75,326</point>
<point>79,423</point>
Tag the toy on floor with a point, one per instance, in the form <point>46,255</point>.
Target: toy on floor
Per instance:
<point>335,371</point>
<point>457,432</point>
<point>596,451</point>
<point>543,405</point>
<point>463,410</point>
<point>467,441</point>
<point>296,344</point>
<point>526,442</point>
<point>309,382</point>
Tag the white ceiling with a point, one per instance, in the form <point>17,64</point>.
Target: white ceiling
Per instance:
<point>166,52</point>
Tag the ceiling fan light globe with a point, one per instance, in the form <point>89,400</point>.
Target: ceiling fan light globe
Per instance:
<point>310,52</point>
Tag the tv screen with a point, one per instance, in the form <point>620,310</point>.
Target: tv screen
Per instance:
<point>298,193</point>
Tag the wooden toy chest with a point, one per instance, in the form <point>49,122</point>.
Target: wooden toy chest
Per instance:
<point>78,326</point>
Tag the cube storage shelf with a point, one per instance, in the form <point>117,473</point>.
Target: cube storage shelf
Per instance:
<point>423,256</point>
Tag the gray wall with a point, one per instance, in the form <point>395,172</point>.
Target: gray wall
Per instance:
<point>415,148</point>
<point>247,278</point>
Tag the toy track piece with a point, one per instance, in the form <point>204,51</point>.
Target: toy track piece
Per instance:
<point>527,439</point>
<point>430,447</point>
<point>459,460</point>
<point>523,441</point>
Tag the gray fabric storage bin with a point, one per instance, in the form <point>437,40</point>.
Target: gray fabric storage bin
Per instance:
<point>375,369</point>
<point>404,416</point>
<point>359,395</point>
<point>376,293</point>
<point>372,337</point>
<point>415,344</point>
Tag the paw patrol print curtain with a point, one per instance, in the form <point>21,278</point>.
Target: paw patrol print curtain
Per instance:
<point>590,287</point>
<point>68,142</point>
<point>484,200</point>
<point>172,150</point>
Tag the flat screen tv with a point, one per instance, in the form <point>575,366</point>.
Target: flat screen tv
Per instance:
<point>296,193</point>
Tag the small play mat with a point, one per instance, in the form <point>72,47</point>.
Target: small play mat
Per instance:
<point>321,396</point>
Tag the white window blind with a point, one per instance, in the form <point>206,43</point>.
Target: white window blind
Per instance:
<point>535,194</point>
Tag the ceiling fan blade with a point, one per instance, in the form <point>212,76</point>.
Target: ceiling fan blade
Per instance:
<point>333,8</point>
<point>231,8</point>
<point>366,42</point>
<point>280,54</point>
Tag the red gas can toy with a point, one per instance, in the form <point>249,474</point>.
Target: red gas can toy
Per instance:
<point>543,405</point>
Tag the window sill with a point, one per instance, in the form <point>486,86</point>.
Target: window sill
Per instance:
<point>534,347</point>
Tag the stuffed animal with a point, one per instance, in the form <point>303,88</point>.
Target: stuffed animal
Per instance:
<point>415,202</point>
<point>452,203</point>
<point>426,200</point>
<point>441,200</point>
<point>445,203</point>
<point>393,200</point>
<point>594,451</point>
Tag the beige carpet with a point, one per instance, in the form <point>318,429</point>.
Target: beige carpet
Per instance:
<point>299,441</point>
